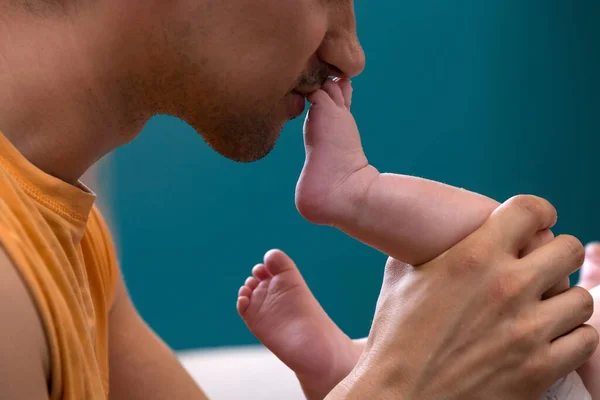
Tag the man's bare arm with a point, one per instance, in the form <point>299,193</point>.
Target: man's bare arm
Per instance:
<point>142,367</point>
<point>24,360</point>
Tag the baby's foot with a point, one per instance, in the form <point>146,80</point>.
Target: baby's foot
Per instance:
<point>590,279</point>
<point>336,173</point>
<point>280,310</point>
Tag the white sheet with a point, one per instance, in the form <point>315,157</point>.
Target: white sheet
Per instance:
<point>242,373</point>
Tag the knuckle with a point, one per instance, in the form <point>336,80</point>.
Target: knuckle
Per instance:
<point>505,286</point>
<point>524,335</point>
<point>476,255</point>
<point>526,203</point>
<point>471,260</point>
<point>532,206</point>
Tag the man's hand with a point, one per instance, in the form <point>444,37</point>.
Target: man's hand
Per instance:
<point>474,323</point>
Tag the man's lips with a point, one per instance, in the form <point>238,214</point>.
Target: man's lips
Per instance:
<point>297,103</point>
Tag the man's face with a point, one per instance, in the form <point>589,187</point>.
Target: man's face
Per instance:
<point>233,69</point>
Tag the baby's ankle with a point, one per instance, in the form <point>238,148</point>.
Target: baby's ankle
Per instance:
<point>318,204</point>
<point>334,204</point>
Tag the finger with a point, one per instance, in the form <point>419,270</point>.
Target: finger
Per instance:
<point>346,87</point>
<point>554,261</point>
<point>514,224</point>
<point>565,312</point>
<point>571,351</point>
<point>334,91</point>
<point>562,286</point>
<point>539,239</point>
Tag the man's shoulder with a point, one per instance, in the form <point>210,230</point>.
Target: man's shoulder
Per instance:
<point>24,358</point>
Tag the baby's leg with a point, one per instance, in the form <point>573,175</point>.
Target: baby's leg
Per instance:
<point>280,310</point>
<point>407,218</point>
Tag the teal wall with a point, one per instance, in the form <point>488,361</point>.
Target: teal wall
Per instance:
<point>497,96</point>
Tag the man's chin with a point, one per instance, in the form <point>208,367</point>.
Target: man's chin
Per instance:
<point>243,139</point>
<point>245,149</point>
<point>247,157</point>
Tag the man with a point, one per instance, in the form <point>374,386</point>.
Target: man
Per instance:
<point>81,77</point>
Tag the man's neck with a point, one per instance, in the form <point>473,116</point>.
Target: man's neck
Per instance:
<point>59,103</point>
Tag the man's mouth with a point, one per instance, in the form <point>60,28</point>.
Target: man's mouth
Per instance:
<point>297,103</point>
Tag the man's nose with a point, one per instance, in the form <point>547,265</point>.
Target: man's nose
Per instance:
<point>341,47</point>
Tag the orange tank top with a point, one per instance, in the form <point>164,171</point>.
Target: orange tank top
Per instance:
<point>62,249</point>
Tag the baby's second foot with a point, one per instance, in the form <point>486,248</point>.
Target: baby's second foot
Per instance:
<point>280,310</point>
<point>336,174</point>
